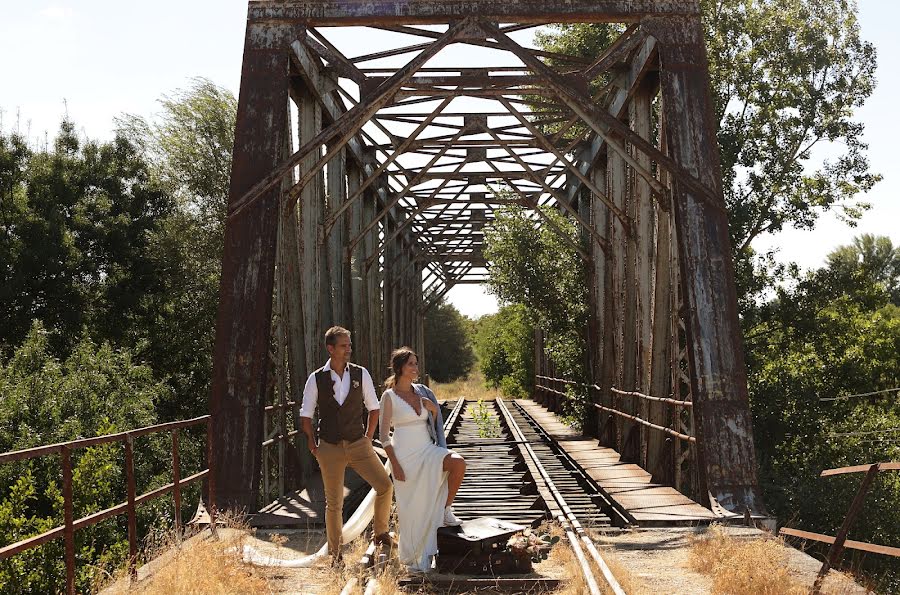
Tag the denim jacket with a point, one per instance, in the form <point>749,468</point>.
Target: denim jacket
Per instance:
<point>437,436</point>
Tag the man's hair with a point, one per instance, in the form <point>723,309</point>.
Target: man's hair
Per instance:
<point>332,334</point>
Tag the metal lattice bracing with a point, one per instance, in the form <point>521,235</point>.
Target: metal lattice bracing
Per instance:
<point>364,177</point>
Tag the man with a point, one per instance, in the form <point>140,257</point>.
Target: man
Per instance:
<point>341,391</point>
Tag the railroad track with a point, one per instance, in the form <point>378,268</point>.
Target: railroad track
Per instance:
<point>577,536</point>
<point>516,472</point>
<point>584,497</point>
<point>498,480</point>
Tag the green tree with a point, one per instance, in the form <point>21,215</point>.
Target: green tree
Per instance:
<point>536,265</point>
<point>835,332</point>
<point>786,77</point>
<point>448,349</point>
<point>870,260</point>
<point>114,248</point>
<point>504,343</point>
<point>96,390</point>
<point>189,145</point>
<point>78,221</point>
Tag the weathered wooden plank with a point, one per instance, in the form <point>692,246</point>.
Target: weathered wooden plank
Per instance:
<point>630,445</point>
<point>600,299</point>
<point>419,318</point>
<point>243,326</point>
<point>290,284</point>
<point>644,240</point>
<point>336,237</point>
<point>401,286</point>
<point>405,12</point>
<point>618,239</point>
<point>662,451</point>
<point>354,274</point>
<point>371,298</point>
<point>719,381</point>
<point>389,294</point>
<point>312,205</point>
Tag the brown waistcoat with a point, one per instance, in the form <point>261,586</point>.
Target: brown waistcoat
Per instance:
<point>340,422</point>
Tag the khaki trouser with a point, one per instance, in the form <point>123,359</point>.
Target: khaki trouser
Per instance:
<point>359,455</point>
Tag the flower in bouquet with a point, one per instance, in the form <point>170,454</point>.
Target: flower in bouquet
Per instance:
<point>527,544</point>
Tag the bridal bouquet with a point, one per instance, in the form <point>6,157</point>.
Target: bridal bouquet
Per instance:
<point>527,544</point>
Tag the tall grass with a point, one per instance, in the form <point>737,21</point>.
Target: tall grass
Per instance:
<point>745,566</point>
<point>472,388</point>
<point>209,566</point>
<point>202,566</point>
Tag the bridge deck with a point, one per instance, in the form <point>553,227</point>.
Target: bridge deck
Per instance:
<point>307,508</point>
<point>629,485</point>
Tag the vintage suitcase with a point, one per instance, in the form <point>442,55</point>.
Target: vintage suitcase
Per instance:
<point>487,564</point>
<point>478,536</point>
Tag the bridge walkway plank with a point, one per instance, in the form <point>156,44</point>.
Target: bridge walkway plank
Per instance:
<point>627,484</point>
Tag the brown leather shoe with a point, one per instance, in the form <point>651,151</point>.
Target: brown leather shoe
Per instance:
<point>384,540</point>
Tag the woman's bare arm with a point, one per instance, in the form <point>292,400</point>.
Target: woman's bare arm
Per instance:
<point>384,434</point>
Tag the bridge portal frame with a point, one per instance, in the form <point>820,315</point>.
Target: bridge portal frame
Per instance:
<point>383,280</point>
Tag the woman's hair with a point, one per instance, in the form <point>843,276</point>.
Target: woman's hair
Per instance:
<point>399,357</point>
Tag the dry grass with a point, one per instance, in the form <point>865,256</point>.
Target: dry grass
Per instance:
<point>204,566</point>
<point>563,557</point>
<point>472,388</point>
<point>388,575</point>
<point>629,583</point>
<point>743,566</point>
<point>334,578</point>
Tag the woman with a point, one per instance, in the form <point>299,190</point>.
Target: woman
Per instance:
<point>426,475</point>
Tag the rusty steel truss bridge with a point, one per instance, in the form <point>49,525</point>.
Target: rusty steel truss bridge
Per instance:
<point>374,141</point>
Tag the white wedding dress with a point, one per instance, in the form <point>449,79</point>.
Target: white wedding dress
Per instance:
<point>423,494</point>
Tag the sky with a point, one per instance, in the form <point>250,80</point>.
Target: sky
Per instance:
<point>96,59</point>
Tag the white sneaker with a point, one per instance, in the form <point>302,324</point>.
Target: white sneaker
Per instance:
<point>450,519</point>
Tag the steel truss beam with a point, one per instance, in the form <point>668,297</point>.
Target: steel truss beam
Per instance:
<point>407,12</point>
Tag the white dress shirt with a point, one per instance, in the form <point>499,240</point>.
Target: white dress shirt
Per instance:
<point>341,390</point>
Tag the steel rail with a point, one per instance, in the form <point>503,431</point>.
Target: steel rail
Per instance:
<point>564,515</point>
<point>623,517</point>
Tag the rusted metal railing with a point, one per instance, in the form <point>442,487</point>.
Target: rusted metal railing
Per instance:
<point>276,436</point>
<point>593,387</point>
<point>840,541</point>
<point>129,507</point>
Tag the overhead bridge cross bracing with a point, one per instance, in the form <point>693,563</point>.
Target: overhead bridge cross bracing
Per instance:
<point>375,142</point>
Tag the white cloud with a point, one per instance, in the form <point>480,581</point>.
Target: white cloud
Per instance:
<point>57,12</point>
